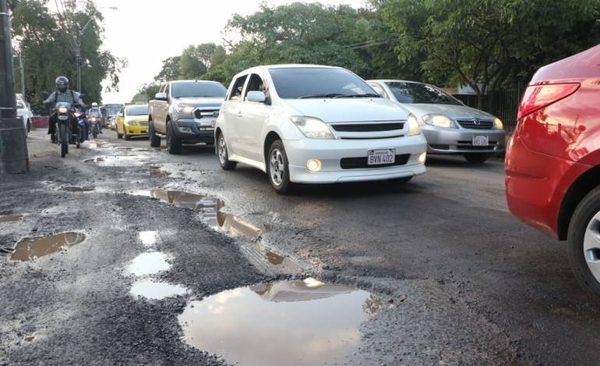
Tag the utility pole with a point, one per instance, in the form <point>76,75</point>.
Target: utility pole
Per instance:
<point>13,137</point>
<point>22,73</point>
<point>78,58</point>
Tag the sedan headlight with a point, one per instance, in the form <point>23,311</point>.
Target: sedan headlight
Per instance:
<point>413,126</point>
<point>498,124</point>
<point>439,120</point>
<point>131,123</point>
<point>313,128</point>
<point>185,109</point>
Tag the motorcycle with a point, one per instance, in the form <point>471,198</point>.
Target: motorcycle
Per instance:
<point>83,125</point>
<point>95,121</point>
<point>63,126</point>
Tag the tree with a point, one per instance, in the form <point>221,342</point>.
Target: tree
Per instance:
<point>487,43</point>
<point>300,33</point>
<point>170,69</point>
<point>47,43</point>
<point>146,93</point>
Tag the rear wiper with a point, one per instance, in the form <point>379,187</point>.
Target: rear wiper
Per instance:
<point>329,95</point>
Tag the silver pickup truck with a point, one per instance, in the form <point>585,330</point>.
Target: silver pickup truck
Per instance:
<point>184,112</point>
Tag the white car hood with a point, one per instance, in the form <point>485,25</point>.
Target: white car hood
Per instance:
<point>452,111</point>
<point>348,109</point>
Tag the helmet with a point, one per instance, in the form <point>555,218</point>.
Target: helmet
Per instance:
<point>94,105</point>
<point>62,84</point>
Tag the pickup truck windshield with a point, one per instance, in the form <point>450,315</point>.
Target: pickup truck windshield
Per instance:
<point>198,89</point>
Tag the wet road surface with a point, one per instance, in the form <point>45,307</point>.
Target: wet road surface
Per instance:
<point>433,273</point>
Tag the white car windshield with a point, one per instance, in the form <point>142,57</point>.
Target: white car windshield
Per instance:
<point>316,82</point>
<point>420,93</point>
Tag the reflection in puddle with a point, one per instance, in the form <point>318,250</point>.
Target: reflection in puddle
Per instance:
<point>10,218</point>
<point>149,263</point>
<point>148,238</point>
<point>119,160</point>
<point>78,189</point>
<point>209,208</point>
<point>303,322</point>
<point>40,246</point>
<point>156,290</point>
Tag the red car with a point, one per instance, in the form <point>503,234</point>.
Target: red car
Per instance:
<point>553,160</point>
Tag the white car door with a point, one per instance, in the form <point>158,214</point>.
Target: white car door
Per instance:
<point>231,114</point>
<point>251,124</point>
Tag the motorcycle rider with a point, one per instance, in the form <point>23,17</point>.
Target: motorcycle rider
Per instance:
<point>62,94</point>
<point>95,112</point>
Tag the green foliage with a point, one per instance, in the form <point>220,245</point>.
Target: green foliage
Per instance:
<point>146,93</point>
<point>300,33</point>
<point>487,43</point>
<point>47,43</point>
<point>170,69</point>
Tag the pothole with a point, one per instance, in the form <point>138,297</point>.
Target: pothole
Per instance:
<point>119,160</point>
<point>10,218</point>
<point>301,322</point>
<point>148,264</point>
<point>155,171</point>
<point>77,189</point>
<point>209,209</point>
<point>36,247</point>
<point>148,238</point>
<point>155,290</point>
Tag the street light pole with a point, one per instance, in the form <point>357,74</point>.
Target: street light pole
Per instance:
<point>78,43</point>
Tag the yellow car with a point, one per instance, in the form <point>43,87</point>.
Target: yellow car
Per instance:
<point>132,120</point>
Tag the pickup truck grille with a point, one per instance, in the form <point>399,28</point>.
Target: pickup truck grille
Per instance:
<point>206,113</point>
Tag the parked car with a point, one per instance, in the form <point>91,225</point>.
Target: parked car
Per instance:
<point>553,160</point>
<point>184,112</point>
<point>24,112</point>
<point>316,124</point>
<point>449,126</point>
<point>132,121</point>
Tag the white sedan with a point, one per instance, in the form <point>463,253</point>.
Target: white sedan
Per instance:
<point>316,124</point>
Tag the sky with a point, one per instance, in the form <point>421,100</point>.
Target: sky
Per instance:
<point>145,32</point>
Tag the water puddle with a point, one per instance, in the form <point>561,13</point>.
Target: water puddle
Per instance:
<point>156,290</point>
<point>78,189</point>
<point>10,218</point>
<point>156,172</point>
<point>148,264</point>
<point>119,160</point>
<point>36,247</point>
<point>148,238</point>
<point>301,322</point>
<point>209,208</point>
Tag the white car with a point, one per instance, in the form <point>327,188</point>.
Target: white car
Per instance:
<point>316,124</point>
<point>24,112</point>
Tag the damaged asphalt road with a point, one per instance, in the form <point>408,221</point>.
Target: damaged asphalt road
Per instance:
<point>159,245</point>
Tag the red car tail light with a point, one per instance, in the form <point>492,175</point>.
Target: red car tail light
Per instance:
<point>540,96</point>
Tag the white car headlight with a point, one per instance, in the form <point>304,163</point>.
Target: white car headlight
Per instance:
<point>313,128</point>
<point>498,124</point>
<point>439,120</point>
<point>185,109</point>
<point>413,126</point>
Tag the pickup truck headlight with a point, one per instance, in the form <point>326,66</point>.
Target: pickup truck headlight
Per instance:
<point>439,120</point>
<point>185,109</point>
<point>413,126</point>
<point>313,128</point>
<point>498,124</point>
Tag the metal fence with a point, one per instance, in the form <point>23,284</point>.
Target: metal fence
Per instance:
<point>502,104</point>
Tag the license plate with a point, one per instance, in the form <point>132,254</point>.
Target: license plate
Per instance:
<point>63,118</point>
<point>208,122</point>
<point>383,156</point>
<point>479,140</point>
